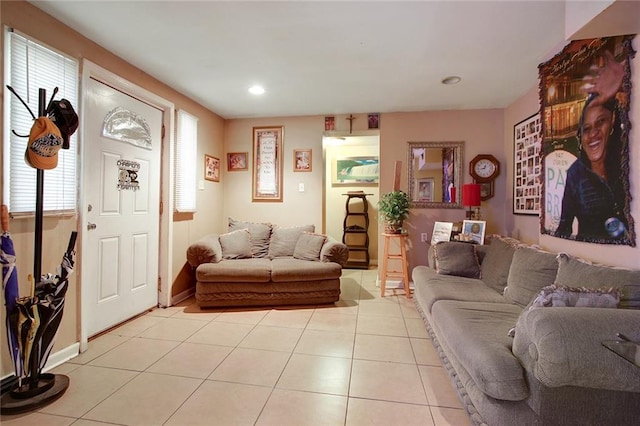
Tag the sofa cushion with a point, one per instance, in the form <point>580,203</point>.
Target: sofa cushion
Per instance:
<point>286,269</point>
<point>459,259</point>
<point>476,334</point>
<point>574,272</point>
<point>260,235</point>
<point>308,246</point>
<point>236,244</point>
<point>497,261</point>
<point>237,270</point>
<point>283,240</point>
<point>431,287</point>
<point>530,270</point>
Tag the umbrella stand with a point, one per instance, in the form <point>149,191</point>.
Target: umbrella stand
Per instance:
<point>39,388</point>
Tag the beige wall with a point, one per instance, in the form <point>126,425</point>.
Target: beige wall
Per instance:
<point>297,208</point>
<point>31,21</point>
<point>482,133</point>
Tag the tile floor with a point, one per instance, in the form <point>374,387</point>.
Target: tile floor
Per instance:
<point>365,361</point>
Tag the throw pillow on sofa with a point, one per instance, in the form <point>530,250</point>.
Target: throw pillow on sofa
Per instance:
<point>530,271</point>
<point>260,235</point>
<point>563,296</point>
<point>308,246</point>
<point>454,258</point>
<point>497,261</point>
<point>574,272</point>
<point>236,244</point>
<point>283,240</point>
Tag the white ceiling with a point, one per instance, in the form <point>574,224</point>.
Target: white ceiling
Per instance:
<point>325,58</point>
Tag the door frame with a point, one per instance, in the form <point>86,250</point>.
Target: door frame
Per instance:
<point>165,255</point>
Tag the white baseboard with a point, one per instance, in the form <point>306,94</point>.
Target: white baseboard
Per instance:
<point>182,296</point>
<point>57,358</point>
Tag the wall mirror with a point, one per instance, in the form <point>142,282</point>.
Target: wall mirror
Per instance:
<point>435,174</point>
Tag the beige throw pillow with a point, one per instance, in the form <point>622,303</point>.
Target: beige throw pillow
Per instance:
<point>283,240</point>
<point>236,244</point>
<point>309,246</point>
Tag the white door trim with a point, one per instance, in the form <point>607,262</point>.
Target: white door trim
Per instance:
<point>165,257</point>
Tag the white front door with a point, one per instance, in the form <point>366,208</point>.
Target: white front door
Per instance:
<point>121,162</point>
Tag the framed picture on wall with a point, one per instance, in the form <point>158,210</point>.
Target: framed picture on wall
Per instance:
<point>356,170</point>
<point>267,163</point>
<point>302,160</point>
<point>237,161</point>
<point>527,186</point>
<point>211,168</point>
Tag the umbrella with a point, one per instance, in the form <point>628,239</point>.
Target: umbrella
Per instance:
<point>50,293</point>
<point>28,323</point>
<point>10,287</point>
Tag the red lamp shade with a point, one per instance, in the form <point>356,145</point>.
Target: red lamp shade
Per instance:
<point>471,195</point>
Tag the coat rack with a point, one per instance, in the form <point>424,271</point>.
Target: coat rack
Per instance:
<point>47,296</point>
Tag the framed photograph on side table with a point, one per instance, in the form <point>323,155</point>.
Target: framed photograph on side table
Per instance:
<point>473,230</point>
<point>441,232</point>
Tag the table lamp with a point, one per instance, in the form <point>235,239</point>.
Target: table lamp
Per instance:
<point>471,198</point>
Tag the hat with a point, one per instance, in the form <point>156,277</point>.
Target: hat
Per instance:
<point>45,141</point>
<point>62,114</point>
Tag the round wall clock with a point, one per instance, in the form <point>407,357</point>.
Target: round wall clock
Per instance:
<point>484,168</point>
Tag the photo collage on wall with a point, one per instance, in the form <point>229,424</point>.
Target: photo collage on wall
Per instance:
<point>527,163</point>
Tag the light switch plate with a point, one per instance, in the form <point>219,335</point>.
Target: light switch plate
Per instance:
<point>301,187</point>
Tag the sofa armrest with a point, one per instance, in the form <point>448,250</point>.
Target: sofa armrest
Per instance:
<point>563,347</point>
<point>334,251</point>
<point>205,250</point>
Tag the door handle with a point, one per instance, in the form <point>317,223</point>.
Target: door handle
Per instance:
<point>91,226</point>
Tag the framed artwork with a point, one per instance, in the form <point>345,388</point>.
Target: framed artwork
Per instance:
<point>302,160</point>
<point>237,161</point>
<point>527,186</point>
<point>356,170</point>
<point>441,232</point>
<point>473,230</point>
<point>267,163</point>
<point>329,123</point>
<point>425,189</point>
<point>211,168</point>
<point>585,93</point>
<point>374,121</point>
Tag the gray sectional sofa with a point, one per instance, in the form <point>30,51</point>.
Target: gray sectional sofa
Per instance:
<point>514,352</point>
<point>259,264</point>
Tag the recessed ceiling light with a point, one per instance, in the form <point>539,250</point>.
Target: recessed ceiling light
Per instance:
<point>454,79</point>
<point>256,90</point>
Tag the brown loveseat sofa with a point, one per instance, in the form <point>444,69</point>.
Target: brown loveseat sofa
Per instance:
<point>258,264</point>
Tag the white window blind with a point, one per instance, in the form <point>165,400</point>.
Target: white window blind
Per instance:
<point>186,163</point>
<point>30,67</point>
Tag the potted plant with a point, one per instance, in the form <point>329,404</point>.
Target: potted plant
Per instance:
<point>393,208</point>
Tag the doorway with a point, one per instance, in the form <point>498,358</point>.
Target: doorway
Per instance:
<point>101,209</point>
<point>338,147</point>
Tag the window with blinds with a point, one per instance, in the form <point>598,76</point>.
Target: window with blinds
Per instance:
<point>31,66</point>
<point>186,162</point>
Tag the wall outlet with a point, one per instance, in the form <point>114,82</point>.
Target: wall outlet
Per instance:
<point>424,237</point>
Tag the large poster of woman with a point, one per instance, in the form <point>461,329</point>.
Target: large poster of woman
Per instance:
<point>584,105</point>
